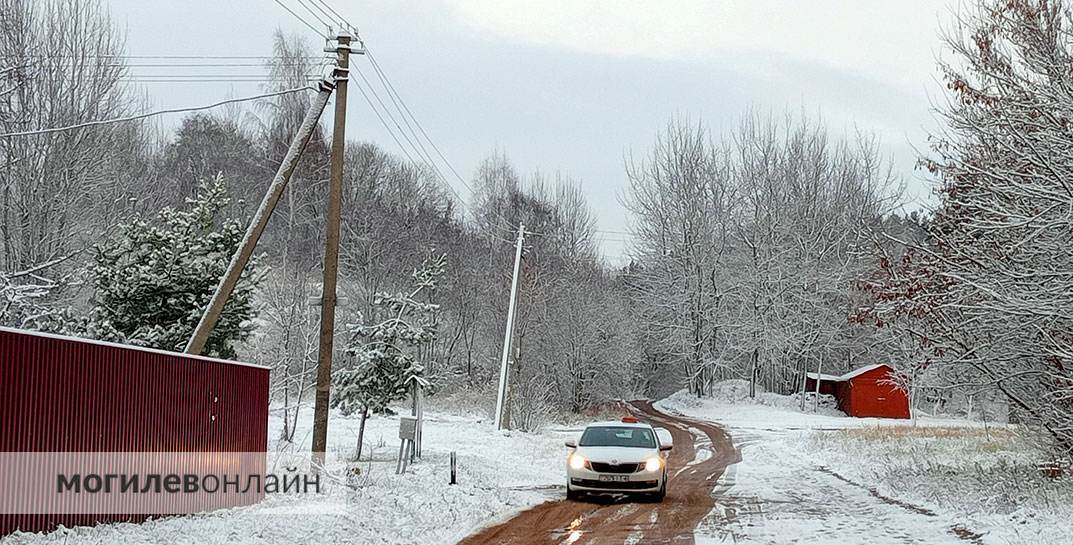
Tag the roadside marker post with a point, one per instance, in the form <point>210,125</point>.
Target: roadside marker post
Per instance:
<point>454,466</point>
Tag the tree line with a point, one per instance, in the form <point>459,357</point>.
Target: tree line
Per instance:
<point>120,231</point>
<point>778,248</point>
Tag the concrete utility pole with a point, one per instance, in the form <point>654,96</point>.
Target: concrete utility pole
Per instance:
<point>259,221</point>
<point>508,336</point>
<point>331,251</point>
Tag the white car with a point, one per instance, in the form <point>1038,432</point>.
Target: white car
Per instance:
<point>617,457</point>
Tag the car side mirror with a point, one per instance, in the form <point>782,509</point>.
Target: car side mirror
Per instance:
<point>571,444</point>
<point>666,447</point>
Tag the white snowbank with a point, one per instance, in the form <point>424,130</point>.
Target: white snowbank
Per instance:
<point>731,395</point>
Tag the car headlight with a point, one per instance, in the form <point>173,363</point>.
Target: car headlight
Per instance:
<point>577,461</point>
<point>653,463</point>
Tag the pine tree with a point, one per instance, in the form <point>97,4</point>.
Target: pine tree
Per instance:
<point>386,366</point>
<point>153,284</point>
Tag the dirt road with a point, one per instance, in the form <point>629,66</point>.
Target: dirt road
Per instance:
<point>701,453</point>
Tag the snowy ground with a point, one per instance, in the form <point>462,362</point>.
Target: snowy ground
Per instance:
<point>499,474</point>
<point>804,478</point>
<point>825,478</point>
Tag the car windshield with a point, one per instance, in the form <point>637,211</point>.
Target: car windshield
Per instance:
<point>617,436</point>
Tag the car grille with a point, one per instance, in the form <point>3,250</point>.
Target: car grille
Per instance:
<point>610,485</point>
<point>602,467</point>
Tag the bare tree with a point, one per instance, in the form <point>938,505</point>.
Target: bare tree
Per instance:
<point>48,181</point>
<point>287,340</point>
<point>748,253</point>
<point>989,296</point>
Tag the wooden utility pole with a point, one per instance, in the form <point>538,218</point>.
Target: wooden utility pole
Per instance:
<point>197,341</point>
<point>508,336</point>
<point>331,251</point>
<point>819,377</point>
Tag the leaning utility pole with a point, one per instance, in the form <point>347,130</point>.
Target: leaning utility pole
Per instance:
<point>508,337</point>
<point>331,252</point>
<point>259,221</point>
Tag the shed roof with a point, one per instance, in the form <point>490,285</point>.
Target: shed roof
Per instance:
<point>823,376</point>
<point>844,377</point>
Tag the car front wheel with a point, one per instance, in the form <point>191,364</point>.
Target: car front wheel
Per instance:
<point>572,494</point>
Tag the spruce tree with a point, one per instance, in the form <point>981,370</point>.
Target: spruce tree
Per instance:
<point>385,354</point>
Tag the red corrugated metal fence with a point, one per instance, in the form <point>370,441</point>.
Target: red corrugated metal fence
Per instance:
<point>60,394</point>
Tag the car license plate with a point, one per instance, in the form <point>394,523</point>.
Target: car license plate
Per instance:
<point>615,478</point>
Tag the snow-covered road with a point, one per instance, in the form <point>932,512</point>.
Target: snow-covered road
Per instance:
<point>701,453</point>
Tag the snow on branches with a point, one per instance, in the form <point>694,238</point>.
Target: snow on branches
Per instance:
<point>386,355</point>
<point>154,282</point>
<point>991,297</point>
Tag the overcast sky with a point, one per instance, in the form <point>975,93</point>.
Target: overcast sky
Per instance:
<point>574,85</point>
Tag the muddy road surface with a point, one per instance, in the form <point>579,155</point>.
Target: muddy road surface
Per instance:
<point>702,452</point>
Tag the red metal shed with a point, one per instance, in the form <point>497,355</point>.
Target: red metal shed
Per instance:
<point>867,391</point>
<point>67,395</point>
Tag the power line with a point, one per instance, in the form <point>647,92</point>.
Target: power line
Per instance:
<point>384,123</point>
<point>151,114</point>
<point>314,14</point>
<point>405,113</point>
<point>405,151</point>
<point>150,80</point>
<point>175,57</point>
<point>421,153</point>
<point>299,17</point>
<point>396,102</point>
<point>325,13</point>
<point>203,65</point>
<point>383,75</point>
<point>340,18</point>
<point>226,76</point>
<point>221,79</point>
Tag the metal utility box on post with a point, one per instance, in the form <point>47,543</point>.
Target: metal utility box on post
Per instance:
<point>407,434</point>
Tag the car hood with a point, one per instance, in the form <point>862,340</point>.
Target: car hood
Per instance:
<point>620,455</point>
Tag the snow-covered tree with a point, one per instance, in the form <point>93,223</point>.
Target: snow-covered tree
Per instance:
<point>153,283</point>
<point>387,354</point>
<point>22,294</point>
<point>990,297</point>
<point>747,252</point>
<point>60,187</point>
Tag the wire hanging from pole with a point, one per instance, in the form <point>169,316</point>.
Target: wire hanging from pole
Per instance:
<point>151,114</point>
